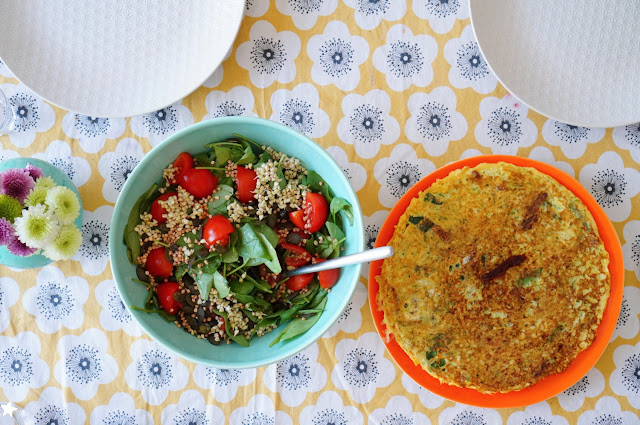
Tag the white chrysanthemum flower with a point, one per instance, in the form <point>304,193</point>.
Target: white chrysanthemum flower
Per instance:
<point>36,227</point>
<point>64,204</point>
<point>65,244</point>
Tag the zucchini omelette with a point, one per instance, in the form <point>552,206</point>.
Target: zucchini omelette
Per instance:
<point>499,278</point>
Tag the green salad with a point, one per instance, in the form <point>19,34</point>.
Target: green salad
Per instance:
<point>212,241</point>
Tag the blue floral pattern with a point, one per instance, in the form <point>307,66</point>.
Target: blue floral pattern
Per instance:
<point>442,8</point>
<point>401,176</point>
<point>361,367</point>
<point>293,373</point>
<point>305,6</point>
<point>471,63</point>
<point>367,123</point>
<point>297,114</point>
<point>25,111</point>
<point>631,374</point>
<point>329,417</point>
<point>191,416</point>
<point>51,415</point>
<point>162,121</point>
<point>467,417</point>
<point>397,419</point>
<point>336,57</point>
<point>91,126</point>
<point>154,369</point>
<point>16,366</point>
<point>434,121</point>
<point>609,187</point>
<point>373,7</point>
<point>268,55</point>
<point>568,133</point>
<point>119,417</point>
<point>405,59</point>
<point>95,239</point>
<point>504,127</point>
<point>55,300</point>
<point>258,418</point>
<point>222,377</point>
<point>83,364</point>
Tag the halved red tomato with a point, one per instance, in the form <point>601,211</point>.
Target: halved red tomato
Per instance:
<point>295,256</point>
<point>216,231</point>
<point>183,162</point>
<point>327,278</point>
<point>247,180</point>
<point>157,211</point>
<point>165,296</point>
<point>313,214</point>
<point>157,264</point>
<point>198,182</point>
<point>296,283</point>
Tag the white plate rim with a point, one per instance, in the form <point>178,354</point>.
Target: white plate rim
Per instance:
<point>523,100</point>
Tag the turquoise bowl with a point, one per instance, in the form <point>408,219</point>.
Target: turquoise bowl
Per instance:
<point>192,139</point>
<point>60,178</point>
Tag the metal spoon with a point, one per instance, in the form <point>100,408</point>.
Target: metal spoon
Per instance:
<point>347,260</point>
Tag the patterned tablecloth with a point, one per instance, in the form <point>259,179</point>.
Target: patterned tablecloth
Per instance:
<point>392,89</point>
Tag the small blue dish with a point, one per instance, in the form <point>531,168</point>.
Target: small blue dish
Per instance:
<point>60,178</point>
<point>192,139</point>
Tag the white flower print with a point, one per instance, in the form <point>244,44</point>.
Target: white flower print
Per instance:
<point>536,414</point>
<point>259,411</point>
<point>84,363</point>
<point>223,383</point>
<point>355,172</point>
<point>295,376</point>
<point>157,126</point>
<point>461,414</point>
<point>351,318</point>
<point>236,102</point>
<point>590,385</point>
<point>441,14</point>
<point>628,137</point>
<point>542,154</point>
<point>434,121</point>
<point>337,56</point>
<point>7,153</point>
<point>367,123</point>
<point>398,172</point>
<point>116,167</point>
<point>330,409</point>
<point>369,13</point>
<point>93,253</point>
<point>191,409</point>
<point>53,409</point>
<point>362,367</point>
<point>9,294</point>
<point>5,71</point>
<point>256,8</point>
<point>468,66</point>
<point>305,13</point>
<point>298,109</point>
<point>625,380</point>
<point>572,139</point>
<point>398,411</point>
<point>269,55</point>
<point>372,225</point>
<point>59,154</point>
<point>504,126</point>
<point>31,114</point>
<point>406,58</point>
<point>120,410</point>
<point>427,398</point>
<point>92,132</point>
<point>611,185</point>
<point>631,248</point>
<point>21,367</point>
<point>57,300</point>
<point>608,412</point>
<point>470,153</point>
<point>628,324</point>
<point>154,372</point>
<point>114,314</point>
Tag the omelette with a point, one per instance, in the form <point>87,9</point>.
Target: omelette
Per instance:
<point>499,278</point>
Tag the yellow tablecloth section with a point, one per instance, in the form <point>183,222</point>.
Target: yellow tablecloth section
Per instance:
<point>392,89</point>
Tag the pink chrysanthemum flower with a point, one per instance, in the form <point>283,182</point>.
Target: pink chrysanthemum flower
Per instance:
<point>6,231</point>
<point>16,183</point>
<point>18,248</point>
<point>34,172</point>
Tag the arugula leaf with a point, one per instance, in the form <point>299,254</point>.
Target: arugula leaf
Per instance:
<point>299,326</point>
<point>273,263</point>
<point>223,155</point>
<point>220,282</point>
<point>338,204</point>
<point>248,157</point>
<point>219,206</point>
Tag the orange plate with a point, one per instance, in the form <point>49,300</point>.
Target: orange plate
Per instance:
<point>551,385</point>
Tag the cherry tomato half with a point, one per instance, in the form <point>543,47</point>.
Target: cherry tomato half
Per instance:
<point>216,231</point>
<point>157,211</point>
<point>183,162</point>
<point>296,283</point>
<point>327,278</point>
<point>296,256</point>
<point>198,182</point>
<point>246,184</point>
<point>313,214</point>
<point>165,296</point>
<point>157,264</point>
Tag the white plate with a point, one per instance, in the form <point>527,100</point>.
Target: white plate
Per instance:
<point>119,57</point>
<point>575,61</point>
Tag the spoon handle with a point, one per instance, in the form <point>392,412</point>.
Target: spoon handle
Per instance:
<point>347,260</point>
